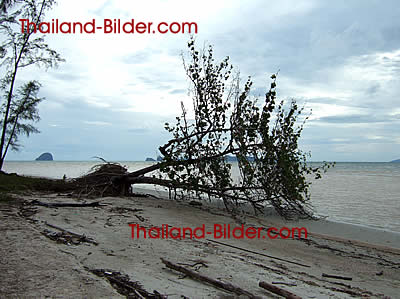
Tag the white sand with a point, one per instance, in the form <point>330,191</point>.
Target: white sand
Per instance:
<point>327,250</point>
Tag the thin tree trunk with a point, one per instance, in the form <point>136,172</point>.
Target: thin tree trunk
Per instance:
<point>9,97</point>
<point>11,90</point>
<point>9,139</point>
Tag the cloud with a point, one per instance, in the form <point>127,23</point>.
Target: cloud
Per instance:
<point>178,91</point>
<point>367,119</point>
<point>139,57</point>
<point>66,76</point>
<point>139,130</point>
<point>97,123</point>
<point>342,59</point>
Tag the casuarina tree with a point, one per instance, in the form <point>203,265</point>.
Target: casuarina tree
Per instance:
<point>21,48</point>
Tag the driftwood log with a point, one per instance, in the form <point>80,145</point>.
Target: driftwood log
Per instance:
<point>126,287</point>
<point>278,291</point>
<point>336,276</point>
<point>217,283</point>
<point>82,237</point>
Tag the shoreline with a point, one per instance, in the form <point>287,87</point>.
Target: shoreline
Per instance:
<point>328,203</point>
<point>338,229</point>
<point>356,232</point>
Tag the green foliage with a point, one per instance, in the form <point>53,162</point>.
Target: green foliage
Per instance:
<point>23,110</point>
<point>228,120</point>
<point>19,50</point>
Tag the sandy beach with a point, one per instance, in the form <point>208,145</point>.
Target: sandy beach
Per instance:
<point>35,262</point>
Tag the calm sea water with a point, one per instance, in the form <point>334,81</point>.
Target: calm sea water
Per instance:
<point>358,193</point>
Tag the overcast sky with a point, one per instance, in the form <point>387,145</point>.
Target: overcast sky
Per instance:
<point>114,92</point>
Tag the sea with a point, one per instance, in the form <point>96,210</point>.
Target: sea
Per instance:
<point>366,194</point>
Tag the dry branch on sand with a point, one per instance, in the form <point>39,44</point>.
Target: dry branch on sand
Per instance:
<point>126,287</point>
<point>279,291</point>
<point>67,237</point>
<point>217,283</point>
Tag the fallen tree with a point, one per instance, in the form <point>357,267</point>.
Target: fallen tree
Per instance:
<point>226,120</point>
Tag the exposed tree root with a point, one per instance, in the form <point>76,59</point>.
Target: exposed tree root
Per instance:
<point>98,182</point>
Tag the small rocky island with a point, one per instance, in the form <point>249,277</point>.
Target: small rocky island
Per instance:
<point>159,158</point>
<point>45,157</point>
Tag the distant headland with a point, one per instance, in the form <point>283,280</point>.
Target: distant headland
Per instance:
<point>395,161</point>
<point>45,157</point>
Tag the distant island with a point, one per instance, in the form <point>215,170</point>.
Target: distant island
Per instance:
<point>45,157</point>
<point>159,158</point>
<point>395,161</point>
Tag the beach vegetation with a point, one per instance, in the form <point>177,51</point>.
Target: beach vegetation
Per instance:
<point>15,184</point>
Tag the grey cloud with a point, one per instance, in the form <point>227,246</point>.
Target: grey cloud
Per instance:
<point>139,57</point>
<point>396,116</point>
<point>357,119</point>
<point>322,38</point>
<point>75,139</point>
<point>178,91</point>
<point>66,76</point>
<point>138,130</point>
<point>310,49</point>
<point>101,11</point>
<point>373,89</point>
<point>156,82</point>
<point>331,101</point>
<point>146,79</point>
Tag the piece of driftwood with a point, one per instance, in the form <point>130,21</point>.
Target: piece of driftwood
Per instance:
<point>81,237</point>
<point>126,287</point>
<point>65,204</point>
<point>336,276</point>
<point>217,283</point>
<point>278,291</point>
<point>195,264</point>
<point>259,253</point>
<point>140,217</point>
